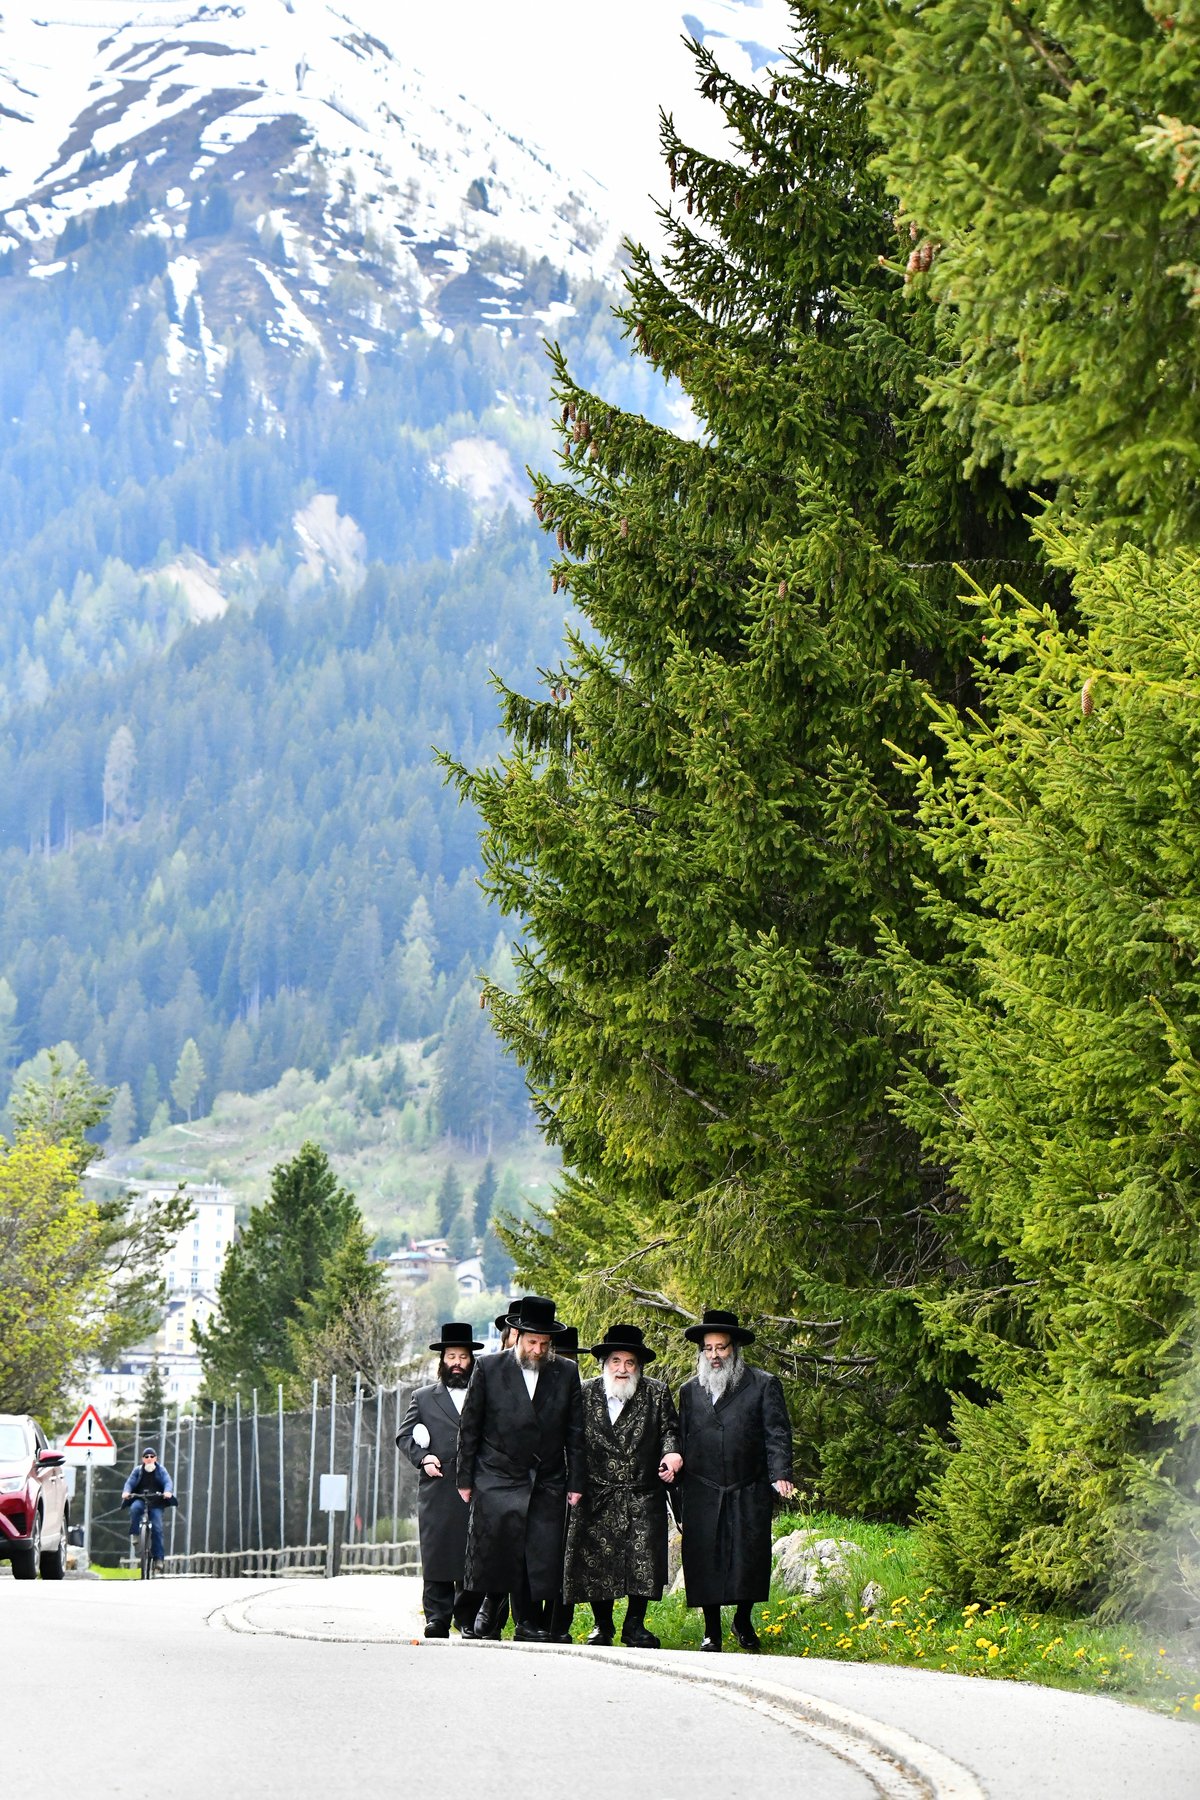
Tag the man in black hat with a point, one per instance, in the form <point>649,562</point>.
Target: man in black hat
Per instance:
<point>737,1447</point>
<point>428,1436</point>
<point>508,1336</point>
<point>617,1536</point>
<point>520,1464</point>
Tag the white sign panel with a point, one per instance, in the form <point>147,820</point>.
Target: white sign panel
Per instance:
<point>335,1493</point>
<point>99,1458</point>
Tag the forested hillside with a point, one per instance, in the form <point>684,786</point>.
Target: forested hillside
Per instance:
<point>265,539</point>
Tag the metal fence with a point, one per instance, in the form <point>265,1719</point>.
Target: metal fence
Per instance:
<point>247,1478</point>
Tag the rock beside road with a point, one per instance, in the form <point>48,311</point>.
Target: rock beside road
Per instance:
<point>809,1565</point>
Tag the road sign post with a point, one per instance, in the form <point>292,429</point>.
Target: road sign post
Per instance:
<point>89,1442</point>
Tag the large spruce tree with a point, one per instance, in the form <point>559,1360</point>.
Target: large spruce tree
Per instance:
<point>1046,154</point>
<point>1063,1089</point>
<point>703,822</point>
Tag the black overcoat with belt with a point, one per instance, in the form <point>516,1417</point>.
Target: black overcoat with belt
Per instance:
<point>520,1457</point>
<point>617,1535</point>
<point>441,1513</point>
<point>732,1452</point>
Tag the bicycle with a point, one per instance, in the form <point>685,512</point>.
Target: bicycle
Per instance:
<point>145,1538</point>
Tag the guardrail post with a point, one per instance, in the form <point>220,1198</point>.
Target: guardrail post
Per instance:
<point>351,1516</point>
<point>332,1452</point>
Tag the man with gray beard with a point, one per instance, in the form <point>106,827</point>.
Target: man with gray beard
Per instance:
<point>617,1537</point>
<point>737,1449</point>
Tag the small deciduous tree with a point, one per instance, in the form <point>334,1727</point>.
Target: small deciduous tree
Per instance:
<point>60,1102</point>
<point>52,1274</point>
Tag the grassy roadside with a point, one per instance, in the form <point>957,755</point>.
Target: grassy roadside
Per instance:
<point>916,1625</point>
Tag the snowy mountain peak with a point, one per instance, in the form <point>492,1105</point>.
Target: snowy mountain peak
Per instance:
<point>298,113</point>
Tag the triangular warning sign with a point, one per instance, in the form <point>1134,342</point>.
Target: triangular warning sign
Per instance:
<point>89,1432</point>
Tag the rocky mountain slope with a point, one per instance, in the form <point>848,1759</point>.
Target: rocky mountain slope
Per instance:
<point>313,134</point>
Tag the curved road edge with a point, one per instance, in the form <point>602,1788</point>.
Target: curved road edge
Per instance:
<point>899,1765</point>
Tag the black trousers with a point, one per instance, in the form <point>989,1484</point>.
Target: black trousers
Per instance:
<point>444,1602</point>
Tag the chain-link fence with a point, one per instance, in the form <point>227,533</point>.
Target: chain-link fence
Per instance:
<point>247,1478</point>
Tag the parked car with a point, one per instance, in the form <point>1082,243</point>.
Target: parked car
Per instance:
<point>34,1513</point>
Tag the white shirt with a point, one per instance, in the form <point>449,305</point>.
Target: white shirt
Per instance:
<point>458,1395</point>
<point>530,1377</point>
<point>615,1403</point>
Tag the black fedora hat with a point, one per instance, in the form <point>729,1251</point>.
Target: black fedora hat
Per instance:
<point>501,1323</point>
<point>533,1312</point>
<point>456,1337</point>
<point>567,1342</point>
<point>624,1337</point>
<point>716,1320</point>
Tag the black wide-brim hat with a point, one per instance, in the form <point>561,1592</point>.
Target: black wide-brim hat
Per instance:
<point>624,1337</point>
<point>501,1323</point>
<point>716,1320</point>
<point>533,1312</point>
<point>567,1342</point>
<point>456,1337</point>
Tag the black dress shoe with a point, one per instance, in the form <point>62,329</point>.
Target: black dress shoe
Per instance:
<point>560,1637</point>
<point>531,1634</point>
<point>601,1640</point>
<point>710,1643</point>
<point>638,1638</point>
<point>746,1636</point>
<point>466,1631</point>
<point>440,1631</point>
<point>488,1621</point>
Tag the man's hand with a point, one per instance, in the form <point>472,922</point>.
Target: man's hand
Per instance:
<point>574,1499</point>
<point>465,1494</point>
<point>432,1466</point>
<point>785,1489</point>
<point>670,1466</point>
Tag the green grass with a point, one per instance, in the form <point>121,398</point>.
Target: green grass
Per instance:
<point>917,1625</point>
<point>116,1574</point>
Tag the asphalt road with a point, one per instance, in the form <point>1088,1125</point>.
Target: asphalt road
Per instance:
<point>232,1688</point>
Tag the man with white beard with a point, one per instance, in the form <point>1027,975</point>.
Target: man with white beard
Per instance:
<point>737,1447</point>
<point>617,1537</point>
<point>520,1465</point>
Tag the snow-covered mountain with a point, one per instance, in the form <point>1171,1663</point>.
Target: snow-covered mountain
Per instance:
<point>328,140</point>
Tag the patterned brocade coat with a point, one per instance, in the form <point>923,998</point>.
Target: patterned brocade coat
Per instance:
<point>617,1535</point>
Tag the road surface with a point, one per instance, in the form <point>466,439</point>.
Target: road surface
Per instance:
<point>304,1687</point>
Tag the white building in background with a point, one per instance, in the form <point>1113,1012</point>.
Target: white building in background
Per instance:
<point>191,1270</point>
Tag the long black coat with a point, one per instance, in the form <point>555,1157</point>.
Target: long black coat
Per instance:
<point>441,1514</point>
<point>520,1458</point>
<point>617,1535</point>
<point>732,1452</point>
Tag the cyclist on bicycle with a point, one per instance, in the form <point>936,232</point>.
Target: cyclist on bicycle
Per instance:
<point>148,1478</point>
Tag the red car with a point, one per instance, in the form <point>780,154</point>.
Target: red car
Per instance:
<point>33,1501</point>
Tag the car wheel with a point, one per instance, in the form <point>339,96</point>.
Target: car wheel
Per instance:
<point>25,1557</point>
<point>52,1564</point>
